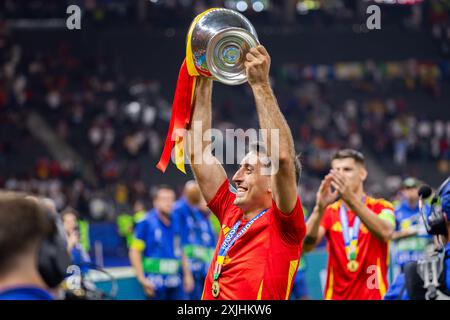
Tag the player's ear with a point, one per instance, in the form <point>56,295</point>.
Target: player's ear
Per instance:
<point>363,173</point>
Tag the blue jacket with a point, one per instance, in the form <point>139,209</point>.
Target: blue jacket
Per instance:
<point>196,235</point>
<point>25,293</point>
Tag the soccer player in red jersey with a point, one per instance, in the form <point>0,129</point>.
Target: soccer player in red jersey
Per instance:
<point>357,227</point>
<point>259,246</point>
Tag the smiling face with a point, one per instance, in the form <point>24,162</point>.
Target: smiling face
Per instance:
<point>253,187</point>
<point>355,172</point>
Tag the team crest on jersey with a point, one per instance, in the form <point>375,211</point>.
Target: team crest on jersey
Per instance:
<point>337,227</point>
<point>225,230</point>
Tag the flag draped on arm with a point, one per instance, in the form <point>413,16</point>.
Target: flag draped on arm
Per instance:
<point>182,106</point>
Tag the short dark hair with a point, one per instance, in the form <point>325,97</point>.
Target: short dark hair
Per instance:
<point>156,189</point>
<point>349,153</point>
<point>259,147</point>
<point>24,223</point>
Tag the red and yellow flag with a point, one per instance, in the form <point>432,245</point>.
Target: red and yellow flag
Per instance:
<point>182,105</point>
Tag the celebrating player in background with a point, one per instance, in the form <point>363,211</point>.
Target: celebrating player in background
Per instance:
<point>357,227</point>
<point>262,223</point>
<point>158,262</point>
<point>197,239</point>
<point>411,237</point>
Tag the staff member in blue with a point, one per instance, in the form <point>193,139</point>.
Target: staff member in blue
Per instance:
<point>197,238</point>
<point>159,264</point>
<point>410,237</point>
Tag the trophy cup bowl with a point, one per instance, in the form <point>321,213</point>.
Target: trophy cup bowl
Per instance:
<point>219,42</point>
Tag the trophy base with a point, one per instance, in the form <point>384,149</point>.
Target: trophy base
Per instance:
<point>225,55</point>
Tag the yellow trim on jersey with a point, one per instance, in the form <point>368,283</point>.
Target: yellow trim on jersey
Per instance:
<point>292,269</point>
<point>203,292</point>
<point>388,215</point>
<point>138,244</point>
<point>381,284</point>
<point>260,290</point>
<point>337,227</point>
<point>225,230</point>
<point>386,204</point>
<point>336,205</point>
<point>329,291</point>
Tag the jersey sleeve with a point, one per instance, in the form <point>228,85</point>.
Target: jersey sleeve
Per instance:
<point>385,210</point>
<point>180,225</point>
<point>397,215</point>
<point>445,199</point>
<point>291,226</point>
<point>222,201</point>
<point>325,223</point>
<point>140,236</point>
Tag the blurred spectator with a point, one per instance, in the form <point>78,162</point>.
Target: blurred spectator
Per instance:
<point>20,245</point>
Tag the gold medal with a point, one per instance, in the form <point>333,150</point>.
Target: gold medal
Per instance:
<point>352,265</point>
<point>215,289</point>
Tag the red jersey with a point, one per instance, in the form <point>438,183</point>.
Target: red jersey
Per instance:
<point>369,282</point>
<point>263,262</point>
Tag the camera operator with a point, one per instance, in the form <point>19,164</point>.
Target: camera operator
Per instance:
<point>429,278</point>
<point>25,226</point>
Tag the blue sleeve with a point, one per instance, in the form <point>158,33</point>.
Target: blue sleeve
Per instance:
<point>395,289</point>
<point>180,225</point>
<point>445,199</point>
<point>141,230</point>
<point>397,219</point>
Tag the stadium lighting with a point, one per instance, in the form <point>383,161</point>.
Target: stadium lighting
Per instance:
<point>258,6</point>
<point>133,108</point>
<point>230,4</point>
<point>242,6</point>
<point>303,6</point>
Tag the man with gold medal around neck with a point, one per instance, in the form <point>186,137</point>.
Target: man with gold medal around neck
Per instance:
<point>357,227</point>
<point>262,224</point>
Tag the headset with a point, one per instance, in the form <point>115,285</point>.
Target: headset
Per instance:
<point>53,258</point>
<point>436,223</point>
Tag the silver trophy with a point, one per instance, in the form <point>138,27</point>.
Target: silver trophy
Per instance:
<point>219,42</point>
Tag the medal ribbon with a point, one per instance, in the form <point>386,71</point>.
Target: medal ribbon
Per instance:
<point>229,241</point>
<point>350,235</point>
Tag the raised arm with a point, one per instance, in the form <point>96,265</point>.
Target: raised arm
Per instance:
<point>283,181</point>
<point>208,171</point>
<point>314,231</point>
<point>382,225</point>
